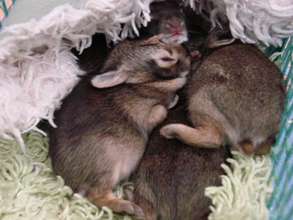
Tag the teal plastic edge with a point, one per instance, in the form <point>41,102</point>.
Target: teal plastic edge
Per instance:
<point>281,202</point>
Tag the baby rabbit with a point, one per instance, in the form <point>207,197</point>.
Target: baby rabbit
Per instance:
<point>102,133</point>
<point>167,19</point>
<point>235,97</point>
<point>171,178</point>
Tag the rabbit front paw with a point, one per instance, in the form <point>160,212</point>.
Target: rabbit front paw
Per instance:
<point>168,131</point>
<point>180,82</point>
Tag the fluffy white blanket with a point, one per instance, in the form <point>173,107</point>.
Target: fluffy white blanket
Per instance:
<point>36,67</point>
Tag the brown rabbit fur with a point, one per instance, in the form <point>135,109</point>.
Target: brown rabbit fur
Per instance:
<point>92,58</point>
<point>235,97</point>
<point>102,133</point>
<point>171,178</point>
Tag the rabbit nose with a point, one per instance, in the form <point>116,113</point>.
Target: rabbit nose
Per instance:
<point>165,59</point>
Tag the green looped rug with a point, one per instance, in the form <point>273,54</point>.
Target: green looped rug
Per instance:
<point>30,191</point>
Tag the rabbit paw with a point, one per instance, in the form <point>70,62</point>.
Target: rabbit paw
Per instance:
<point>131,209</point>
<point>181,81</point>
<point>195,55</point>
<point>168,131</point>
<point>138,212</point>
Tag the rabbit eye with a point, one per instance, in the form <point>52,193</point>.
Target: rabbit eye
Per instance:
<point>167,59</point>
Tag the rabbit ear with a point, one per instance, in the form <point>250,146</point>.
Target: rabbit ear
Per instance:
<point>154,40</point>
<point>214,41</point>
<point>220,43</point>
<point>110,79</point>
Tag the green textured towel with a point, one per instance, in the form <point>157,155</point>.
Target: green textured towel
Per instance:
<point>245,189</point>
<point>30,191</point>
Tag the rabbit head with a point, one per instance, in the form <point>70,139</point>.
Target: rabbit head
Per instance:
<point>152,61</point>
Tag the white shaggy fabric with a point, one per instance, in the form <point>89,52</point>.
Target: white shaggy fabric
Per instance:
<point>33,88</point>
<point>267,21</point>
<point>36,67</point>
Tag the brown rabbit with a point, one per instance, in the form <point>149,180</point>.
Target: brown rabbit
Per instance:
<point>102,133</point>
<point>171,178</point>
<point>167,19</point>
<point>235,97</point>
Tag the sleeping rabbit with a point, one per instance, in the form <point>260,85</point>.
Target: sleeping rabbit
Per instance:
<point>171,179</point>
<point>235,97</point>
<point>104,124</point>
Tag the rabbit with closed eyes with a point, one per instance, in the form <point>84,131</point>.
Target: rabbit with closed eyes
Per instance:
<point>167,19</point>
<point>104,124</point>
<point>235,97</point>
